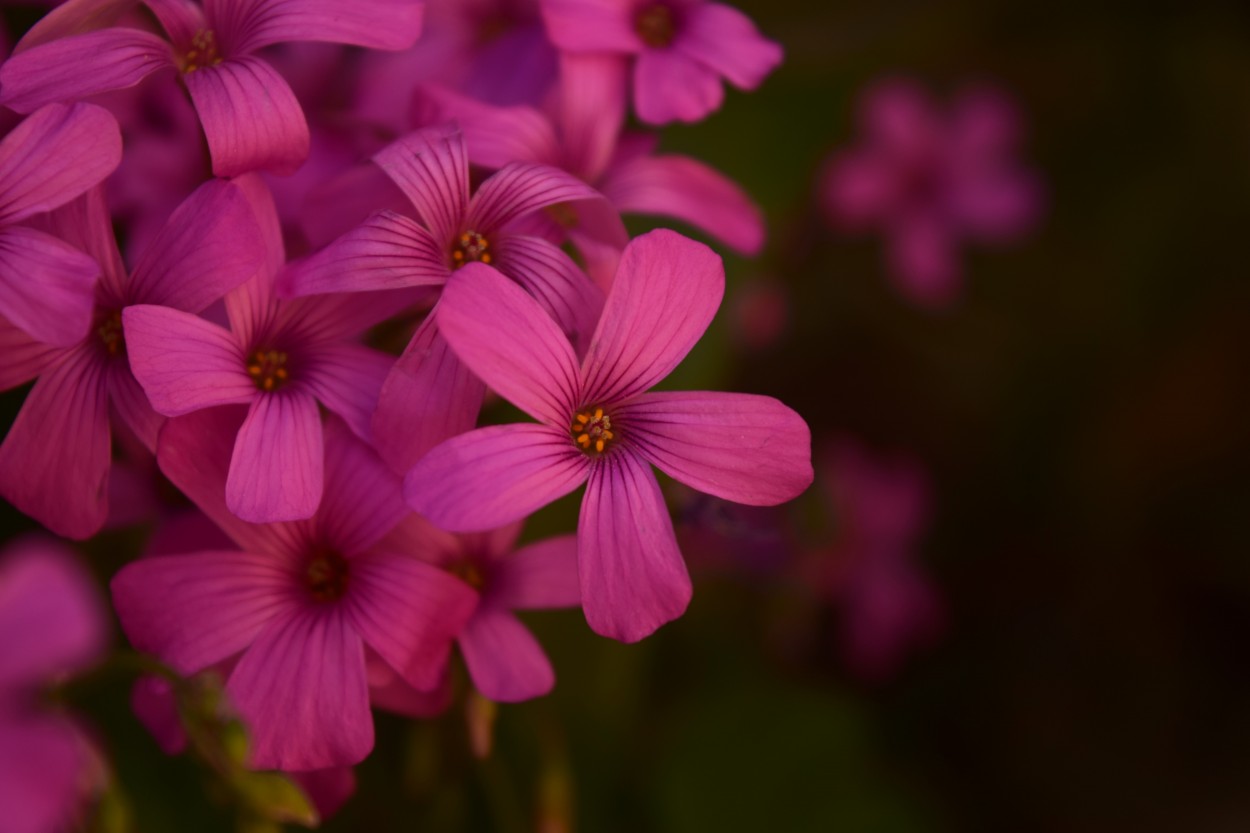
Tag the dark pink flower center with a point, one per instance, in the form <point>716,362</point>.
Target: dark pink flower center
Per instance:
<point>109,329</point>
<point>470,573</point>
<point>268,369</point>
<point>327,576</point>
<point>592,431</point>
<point>656,25</point>
<point>470,247</point>
<point>203,52</point>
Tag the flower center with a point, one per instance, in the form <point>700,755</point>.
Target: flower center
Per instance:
<point>327,576</point>
<point>470,246</point>
<point>268,369</point>
<point>592,431</point>
<point>109,329</point>
<point>656,25</point>
<point>470,573</point>
<point>203,52</point>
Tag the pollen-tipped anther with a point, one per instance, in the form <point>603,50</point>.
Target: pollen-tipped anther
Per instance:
<point>268,369</point>
<point>592,431</point>
<point>470,247</point>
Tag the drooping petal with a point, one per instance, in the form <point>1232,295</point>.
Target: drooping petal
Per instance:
<point>362,501</point>
<point>666,291</point>
<point>54,462</point>
<point>555,281</point>
<point>47,288</point>
<point>431,167</point>
<point>210,245</point>
<point>504,659</point>
<point>522,187</point>
<point>591,25</point>
<point>632,574</point>
<point>54,156</point>
<point>538,576</point>
<point>251,118</point>
<point>494,136</point>
<point>79,66</point>
<point>196,610</point>
<point>52,620</point>
<point>184,362</point>
<point>726,40</point>
<point>249,25</point>
<point>276,470</point>
<point>511,343</point>
<point>347,379</point>
<point>301,690</point>
<point>493,476</point>
<point>428,396</point>
<point>24,357</point>
<point>409,612</point>
<point>671,86</point>
<point>684,188</point>
<point>736,446</point>
<point>387,251</point>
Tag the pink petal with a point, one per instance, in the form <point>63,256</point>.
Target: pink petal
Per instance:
<point>431,167</point>
<point>251,118</point>
<point>328,789</point>
<point>86,224</point>
<point>376,24</point>
<point>61,483</point>
<point>428,396</point>
<point>539,576</point>
<point>152,701</point>
<point>210,245</point>
<point>301,689</point>
<point>985,123</point>
<point>511,343</point>
<point>73,17</point>
<point>133,409</point>
<point>80,66</point>
<point>196,610</point>
<point>632,574</point>
<point>347,379</point>
<point>671,86</point>
<point>409,612</point>
<point>387,251</point>
<point>861,188</point>
<point>362,501</point>
<point>47,288</point>
<point>997,204</point>
<point>494,476</point>
<point>688,190</point>
<point>591,110</point>
<point>387,690</point>
<point>744,448</point>
<point>667,289</point>
<point>24,357</point>
<point>55,155</point>
<point>924,262</point>
<point>493,135</point>
<point>559,285</point>
<point>276,471</point>
<point>43,766</point>
<point>899,118</point>
<point>52,620</point>
<point>518,189</point>
<point>184,362</point>
<point>591,25</point>
<point>504,659</point>
<point>726,40</point>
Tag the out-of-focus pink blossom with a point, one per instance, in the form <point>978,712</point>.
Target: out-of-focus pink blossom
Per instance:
<point>761,313</point>
<point>928,178</point>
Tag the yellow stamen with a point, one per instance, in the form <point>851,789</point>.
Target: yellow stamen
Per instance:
<point>268,369</point>
<point>470,246</point>
<point>592,430</point>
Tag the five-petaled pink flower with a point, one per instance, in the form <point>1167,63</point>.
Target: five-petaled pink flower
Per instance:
<point>599,424</point>
<point>929,179</point>
<point>250,115</point>
<point>681,49</point>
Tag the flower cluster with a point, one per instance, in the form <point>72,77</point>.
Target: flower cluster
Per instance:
<point>452,175</point>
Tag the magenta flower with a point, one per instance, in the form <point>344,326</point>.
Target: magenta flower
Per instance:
<point>251,118</point>
<point>281,358</point>
<point>55,155</point>
<point>599,424</point>
<point>505,661</point>
<point>680,50</point>
<point>209,246</point>
<point>52,623</point>
<point>928,179</point>
<point>429,395</point>
<point>302,605</point>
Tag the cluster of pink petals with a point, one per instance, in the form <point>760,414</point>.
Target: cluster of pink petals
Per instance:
<point>927,179</point>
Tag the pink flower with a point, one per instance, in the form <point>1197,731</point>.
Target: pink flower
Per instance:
<point>281,358</point>
<point>54,156</point>
<point>54,462</point>
<point>251,118</point>
<point>429,395</point>
<point>52,623</point>
<point>599,425</point>
<point>302,605</point>
<point>929,179</point>
<point>680,50</point>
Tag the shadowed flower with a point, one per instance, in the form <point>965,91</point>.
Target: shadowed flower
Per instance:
<point>598,424</point>
<point>928,179</point>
